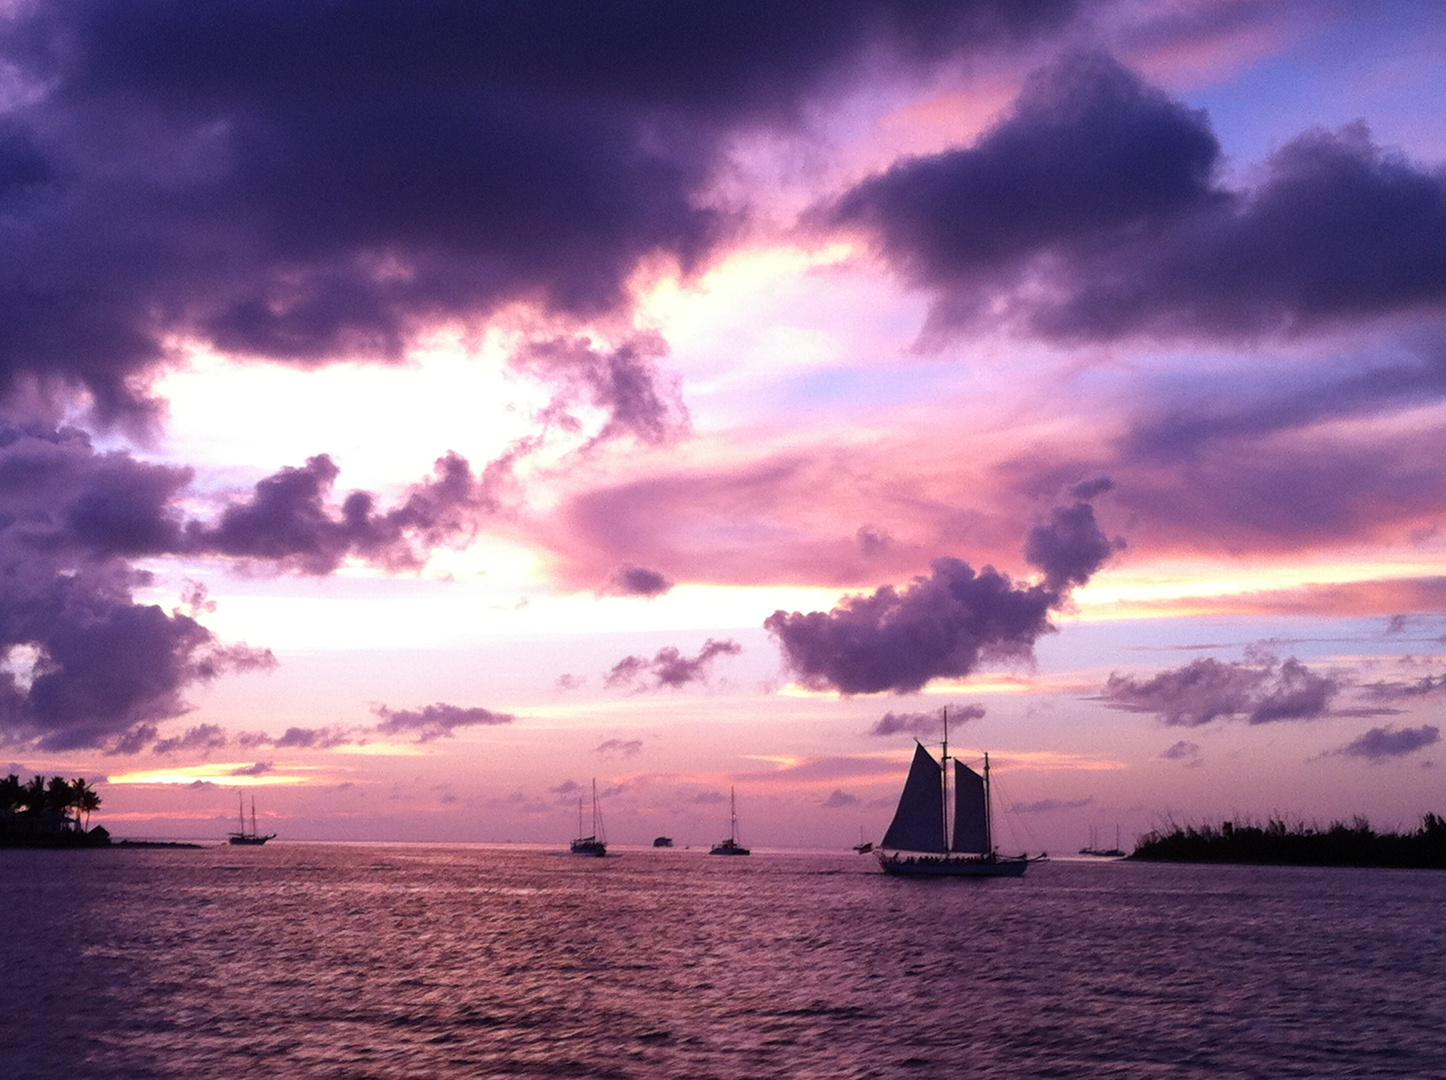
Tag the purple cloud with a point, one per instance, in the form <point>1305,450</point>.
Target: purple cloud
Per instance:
<point>434,721</point>
<point>1070,547</point>
<point>1050,806</point>
<point>203,739</point>
<point>1425,686</point>
<point>287,521</point>
<point>639,581</point>
<point>261,768</point>
<point>1094,211</point>
<point>441,159</point>
<point>322,738</point>
<point>623,382</point>
<point>840,800</point>
<point>92,668</point>
<point>924,724</point>
<point>1384,743</point>
<point>944,625</point>
<point>625,747</point>
<point>1186,752</point>
<point>1206,690</point>
<point>669,667</point>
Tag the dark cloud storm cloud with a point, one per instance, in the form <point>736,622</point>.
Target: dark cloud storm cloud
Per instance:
<point>669,667</point>
<point>1384,743</point>
<point>200,739</point>
<point>625,747</point>
<point>1397,690</point>
<point>322,738</point>
<point>924,724</point>
<point>287,520</point>
<point>947,624</point>
<point>1206,690</point>
<point>434,721</point>
<point>1095,211</point>
<point>307,181</point>
<point>638,581</point>
<point>86,665</point>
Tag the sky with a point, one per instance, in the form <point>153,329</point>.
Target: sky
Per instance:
<point>412,412</point>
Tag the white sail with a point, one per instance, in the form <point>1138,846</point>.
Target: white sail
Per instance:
<point>918,823</point>
<point>971,821</point>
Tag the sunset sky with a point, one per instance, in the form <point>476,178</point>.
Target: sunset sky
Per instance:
<point>413,411</point>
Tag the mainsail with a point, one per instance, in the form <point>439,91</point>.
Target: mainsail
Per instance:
<point>971,822</point>
<point>918,823</point>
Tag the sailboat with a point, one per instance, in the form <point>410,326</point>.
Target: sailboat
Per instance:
<point>863,847</point>
<point>731,846</point>
<point>1115,852</point>
<point>595,844</point>
<point>249,837</point>
<point>918,842</point>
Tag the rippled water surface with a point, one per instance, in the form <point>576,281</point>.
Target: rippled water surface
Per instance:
<point>301,960</point>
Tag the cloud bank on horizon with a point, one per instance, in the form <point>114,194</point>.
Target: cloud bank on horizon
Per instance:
<point>1055,266</point>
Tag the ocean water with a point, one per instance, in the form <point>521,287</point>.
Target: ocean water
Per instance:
<point>389,961</point>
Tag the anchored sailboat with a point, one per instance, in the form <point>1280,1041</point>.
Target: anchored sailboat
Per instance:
<point>918,843</point>
<point>1094,848</point>
<point>731,846</point>
<point>251,837</point>
<point>595,844</point>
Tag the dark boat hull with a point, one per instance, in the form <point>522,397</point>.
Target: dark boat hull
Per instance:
<point>250,841</point>
<point>953,866</point>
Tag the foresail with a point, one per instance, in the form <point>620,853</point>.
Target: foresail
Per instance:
<point>918,823</point>
<point>971,830</point>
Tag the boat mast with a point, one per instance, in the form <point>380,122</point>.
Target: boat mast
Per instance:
<point>253,816</point>
<point>944,774</point>
<point>988,811</point>
<point>596,813</point>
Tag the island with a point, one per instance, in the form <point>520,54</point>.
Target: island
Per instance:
<point>51,814</point>
<point>1278,843</point>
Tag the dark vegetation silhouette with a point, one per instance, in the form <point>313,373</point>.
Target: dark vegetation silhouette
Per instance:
<point>1277,843</point>
<point>53,813</point>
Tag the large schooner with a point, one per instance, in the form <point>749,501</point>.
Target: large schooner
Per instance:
<point>918,843</point>
<point>243,836</point>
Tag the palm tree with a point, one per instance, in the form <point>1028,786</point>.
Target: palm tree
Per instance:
<point>60,797</point>
<point>85,799</point>
<point>32,795</point>
<point>12,794</point>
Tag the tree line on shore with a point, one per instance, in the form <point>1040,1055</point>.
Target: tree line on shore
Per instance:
<point>1278,843</point>
<point>41,810</point>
